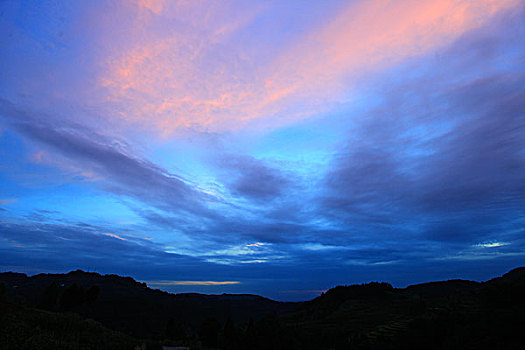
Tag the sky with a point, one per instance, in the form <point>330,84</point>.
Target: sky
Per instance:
<point>278,148</point>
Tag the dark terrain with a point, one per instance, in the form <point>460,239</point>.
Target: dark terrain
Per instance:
<point>81,310</point>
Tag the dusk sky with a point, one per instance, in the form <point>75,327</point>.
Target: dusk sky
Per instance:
<point>276,147</point>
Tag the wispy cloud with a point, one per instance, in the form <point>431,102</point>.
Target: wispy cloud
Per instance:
<point>88,150</point>
<point>491,244</point>
<point>5,201</point>
<point>256,244</point>
<point>114,236</point>
<point>192,283</point>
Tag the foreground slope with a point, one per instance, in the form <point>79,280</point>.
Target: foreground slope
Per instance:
<point>455,314</point>
<point>124,304</point>
<point>26,328</point>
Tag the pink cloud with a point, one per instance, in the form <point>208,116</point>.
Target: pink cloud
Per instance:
<point>256,244</point>
<point>114,236</point>
<point>369,36</point>
<point>68,166</point>
<point>194,75</point>
<point>156,6</point>
<point>40,156</point>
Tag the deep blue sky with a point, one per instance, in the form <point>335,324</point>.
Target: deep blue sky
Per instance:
<point>277,148</point>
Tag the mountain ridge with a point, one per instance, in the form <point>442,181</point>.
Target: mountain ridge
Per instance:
<point>515,274</point>
<point>363,316</point>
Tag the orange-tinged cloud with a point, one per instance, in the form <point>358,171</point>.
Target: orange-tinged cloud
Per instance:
<point>193,283</point>
<point>256,244</point>
<point>39,156</point>
<point>371,35</point>
<point>155,6</point>
<point>195,75</point>
<point>114,236</point>
<point>43,157</point>
<point>4,201</point>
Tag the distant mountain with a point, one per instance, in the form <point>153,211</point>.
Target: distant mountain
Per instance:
<point>127,305</point>
<point>436,315</point>
<point>454,314</point>
<point>442,288</point>
<point>516,275</point>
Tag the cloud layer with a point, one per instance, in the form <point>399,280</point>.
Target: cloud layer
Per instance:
<point>261,148</point>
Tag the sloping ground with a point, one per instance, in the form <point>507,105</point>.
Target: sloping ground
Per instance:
<point>25,328</point>
<point>129,306</point>
<point>452,314</point>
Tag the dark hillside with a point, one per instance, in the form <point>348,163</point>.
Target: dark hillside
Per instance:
<point>441,288</point>
<point>455,314</point>
<point>123,304</point>
<point>25,328</point>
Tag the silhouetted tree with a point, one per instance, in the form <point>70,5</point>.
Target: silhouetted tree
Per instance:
<point>92,294</point>
<point>249,335</point>
<point>267,332</point>
<point>209,331</point>
<point>3,292</point>
<point>50,297</point>
<point>417,305</point>
<point>71,297</point>
<point>175,330</point>
<point>229,334</point>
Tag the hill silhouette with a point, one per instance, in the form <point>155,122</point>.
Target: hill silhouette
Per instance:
<point>26,328</point>
<point>436,315</point>
<point>127,305</point>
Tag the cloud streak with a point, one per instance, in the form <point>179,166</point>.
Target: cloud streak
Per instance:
<point>193,283</point>
<point>449,172</point>
<point>127,174</point>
